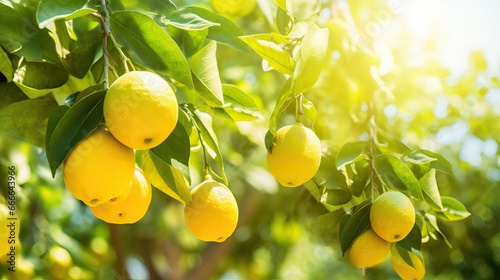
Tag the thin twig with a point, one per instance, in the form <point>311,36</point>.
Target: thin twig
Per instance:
<point>107,32</point>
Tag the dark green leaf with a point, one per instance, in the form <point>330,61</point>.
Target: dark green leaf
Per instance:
<point>356,225</point>
<point>6,66</point>
<point>453,210</point>
<point>326,226</point>
<point>312,56</point>
<point>430,190</point>
<point>50,10</point>
<point>336,196</point>
<point>39,75</point>
<point>193,41</point>
<point>21,35</point>
<point>350,153</point>
<point>78,122</point>
<point>275,55</point>
<point>152,46</point>
<point>432,225</point>
<point>55,116</point>
<point>10,93</point>
<point>398,175</point>
<point>239,105</point>
<point>175,150</point>
<point>24,120</point>
<point>412,240</point>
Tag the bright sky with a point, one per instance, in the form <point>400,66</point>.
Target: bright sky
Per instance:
<point>461,26</point>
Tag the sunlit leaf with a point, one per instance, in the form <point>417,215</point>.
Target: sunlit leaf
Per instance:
<point>193,41</point>
<point>79,121</point>
<point>152,45</point>
<point>187,20</point>
<point>336,196</point>
<point>6,66</point>
<point>153,177</point>
<point>440,163</point>
<point>412,240</point>
<point>51,10</point>
<point>239,105</point>
<point>276,56</point>
<point>33,76</point>
<point>398,175</point>
<point>453,210</point>
<point>430,189</point>
<point>312,57</point>
<point>356,225</point>
<point>431,221</point>
<point>283,96</point>
<point>350,153</point>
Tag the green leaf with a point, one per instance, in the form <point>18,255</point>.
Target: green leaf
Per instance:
<point>239,105</point>
<point>283,96</point>
<point>404,253</point>
<point>79,121</point>
<point>350,153</point>
<point>152,46</point>
<point>193,41</point>
<point>208,139</point>
<point>356,225</point>
<point>166,178</point>
<point>412,240</point>
<point>82,51</point>
<point>275,55</point>
<point>336,197</point>
<point>226,33</point>
<point>418,157</point>
<point>309,111</point>
<point>311,58</point>
<point>175,150</point>
<point>326,226</point>
<point>313,189</point>
<point>453,210</point>
<point>187,20</point>
<point>398,175</point>
<point>204,67</point>
<point>430,190</point>
<point>440,163</point>
<point>10,93</point>
<point>55,116</point>
<point>21,35</point>
<point>6,66</point>
<point>24,120</point>
<point>51,10</point>
<point>284,21</point>
<point>34,76</point>
<point>432,225</point>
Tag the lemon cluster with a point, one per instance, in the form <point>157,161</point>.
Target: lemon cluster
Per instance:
<point>392,217</point>
<point>140,112</point>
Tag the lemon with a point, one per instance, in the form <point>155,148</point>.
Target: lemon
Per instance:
<point>404,270</point>
<point>239,8</point>
<point>213,214</point>
<point>130,209</point>
<point>295,156</point>
<point>140,110</point>
<point>392,216</point>
<point>368,250</point>
<point>9,231</point>
<point>98,168</point>
<point>58,261</point>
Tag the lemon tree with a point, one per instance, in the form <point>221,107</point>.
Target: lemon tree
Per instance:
<point>221,102</point>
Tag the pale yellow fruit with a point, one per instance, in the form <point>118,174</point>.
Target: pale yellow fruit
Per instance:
<point>368,250</point>
<point>99,168</point>
<point>392,216</point>
<point>25,270</point>
<point>404,270</point>
<point>58,261</point>
<point>212,216</point>
<point>140,110</point>
<point>295,156</point>
<point>9,232</point>
<point>239,8</point>
<point>130,209</point>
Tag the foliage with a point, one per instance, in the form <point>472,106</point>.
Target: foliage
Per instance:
<point>311,61</point>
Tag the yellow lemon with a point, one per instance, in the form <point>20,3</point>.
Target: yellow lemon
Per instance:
<point>140,110</point>
<point>295,156</point>
<point>404,270</point>
<point>392,216</point>
<point>9,232</point>
<point>212,216</point>
<point>99,168</point>
<point>58,261</point>
<point>368,250</point>
<point>239,8</point>
<point>130,209</point>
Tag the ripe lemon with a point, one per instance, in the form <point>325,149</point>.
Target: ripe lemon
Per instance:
<point>140,109</point>
<point>132,208</point>
<point>404,270</point>
<point>213,214</point>
<point>99,168</point>
<point>392,216</point>
<point>295,155</point>
<point>368,250</point>
<point>239,8</point>
<point>9,231</point>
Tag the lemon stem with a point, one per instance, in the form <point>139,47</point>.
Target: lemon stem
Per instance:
<point>299,110</point>
<point>106,34</point>
<point>372,145</point>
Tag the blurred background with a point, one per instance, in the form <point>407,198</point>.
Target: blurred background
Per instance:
<point>440,63</point>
